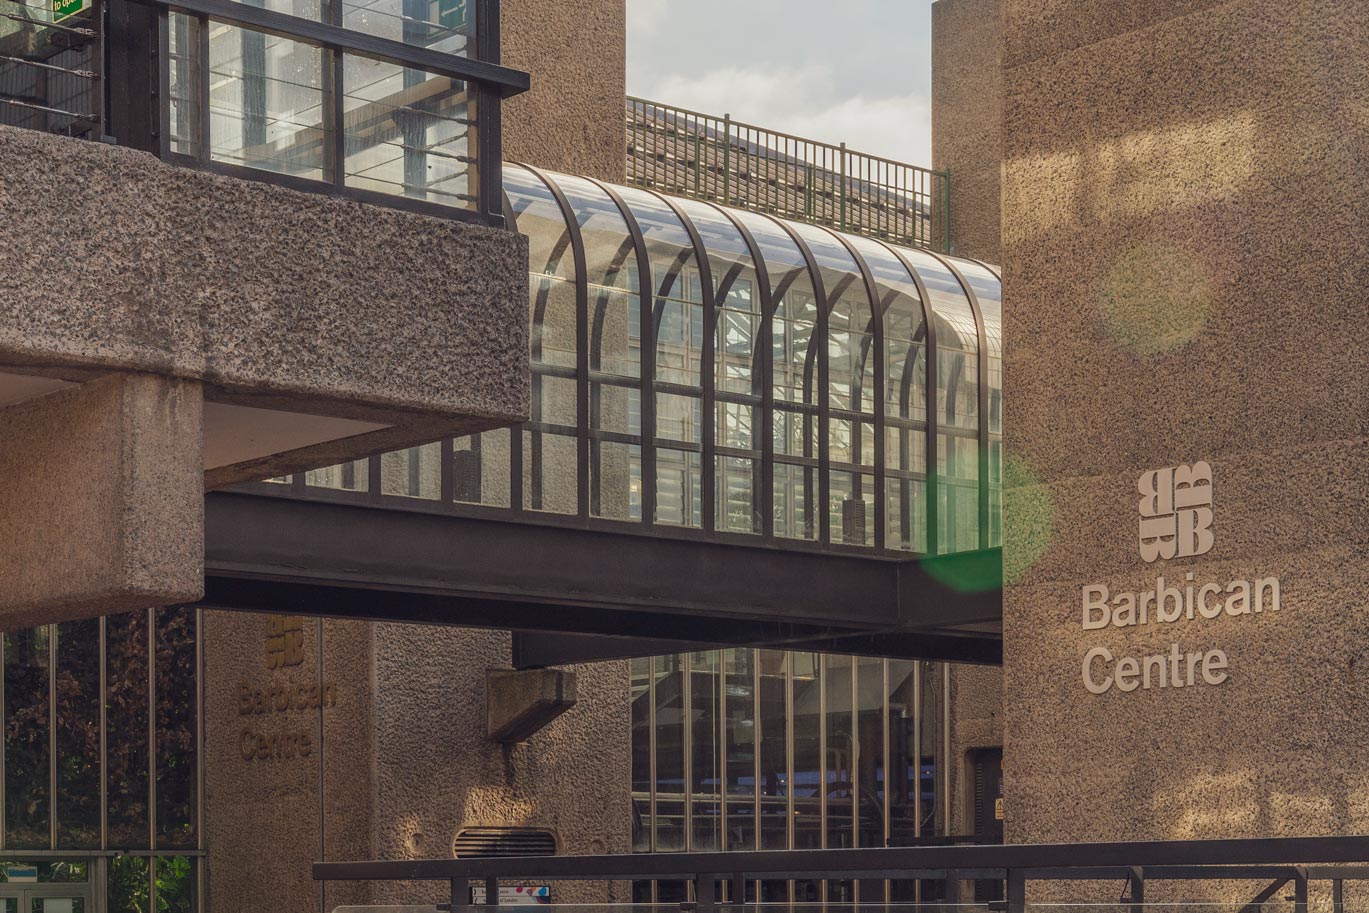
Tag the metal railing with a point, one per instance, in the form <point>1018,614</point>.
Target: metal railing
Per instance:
<point>687,153</point>
<point>50,70</point>
<point>718,880</point>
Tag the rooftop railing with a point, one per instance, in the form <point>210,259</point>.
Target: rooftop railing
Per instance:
<point>687,153</point>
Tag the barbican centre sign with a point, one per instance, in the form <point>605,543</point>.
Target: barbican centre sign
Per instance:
<point>1175,522</point>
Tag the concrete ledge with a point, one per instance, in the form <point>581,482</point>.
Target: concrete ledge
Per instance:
<point>102,507</point>
<point>520,702</point>
<point>272,298</point>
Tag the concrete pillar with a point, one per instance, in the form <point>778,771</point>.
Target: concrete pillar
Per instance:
<point>967,119</point>
<point>102,501</point>
<point>1184,215</point>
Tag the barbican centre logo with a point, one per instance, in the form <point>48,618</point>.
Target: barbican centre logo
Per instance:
<point>1176,512</point>
<point>1176,521</point>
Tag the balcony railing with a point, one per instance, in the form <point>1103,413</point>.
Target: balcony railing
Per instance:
<point>713,158</point>
<point>395,102</point>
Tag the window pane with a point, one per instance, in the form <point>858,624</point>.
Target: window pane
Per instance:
<point>413,473</point>
<point>26,739</point>
<point>175,884</point>
<point>78,734</point>
<point>774,749</point>
<point>408,132</point>
<point>185,84</point>
<point>443,25</point>
<point>706,786</point>
<point>670,747</point>
<point>266,102</point>
<point>176,722</point>
<point>130,887</point>
<point>481,468</point>
<point>126,700</point>
<point>870,775</point>
<point>739,693</point>
<point>641,754</point>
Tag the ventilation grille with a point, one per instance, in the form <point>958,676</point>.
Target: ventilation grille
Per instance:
<point>493,842</point>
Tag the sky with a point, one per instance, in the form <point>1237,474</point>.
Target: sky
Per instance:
<point>855,71</point>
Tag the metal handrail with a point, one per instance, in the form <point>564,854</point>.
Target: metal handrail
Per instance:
<point>1280,860</point>
<point>689,153</point>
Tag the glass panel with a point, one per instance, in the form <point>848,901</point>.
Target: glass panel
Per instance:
<point>907,514</point>
<point>48,871</point>
<point>739,689</point>
<point>795,496</point>
<point>838,773</point>
<point>26,739</point>
<point>78,734</point>
<point>616,480</point>
<point>870,774</point>
<point>266,102</point>
<point>443,25</point>
<point>413,473</point>
<point>678,487</point>
<point>738,484</point>
<point>611,272</point>
<point>130,885</point>
<point>904,751</point>
<point>736,296</point>
<point>549,472</point>
<point>175,884</point>
<point>929,750</point>
<point>774,750</point>
<point>641,754</point>
<point>706,782</point>
<point>185,84</point>
<point>408,132</point>
<point>808,761</point>
<point>552,304</point>
<point>481,468</point>
<point>852,508</point>
<point>74,904</point>
<point>670,748</point>
<point>351,476</point>
<point>126,748</point>
<point>176,722</point>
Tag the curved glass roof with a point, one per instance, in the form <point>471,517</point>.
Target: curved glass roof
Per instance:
<point>710,372</point>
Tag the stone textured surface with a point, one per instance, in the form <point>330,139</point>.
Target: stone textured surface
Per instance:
<point>1185,260</point>
<point>967,118</point>
<point>572,119</point>
<point>102,508</point>
<point>116,261</point>
<point>406,763</point>
<point>976,722</point>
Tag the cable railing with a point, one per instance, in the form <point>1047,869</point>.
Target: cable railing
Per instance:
<point>50,63</point>
<point>687,153</point>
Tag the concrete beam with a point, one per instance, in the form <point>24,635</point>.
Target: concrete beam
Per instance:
<point>519,703</point>
<point>102,500</point>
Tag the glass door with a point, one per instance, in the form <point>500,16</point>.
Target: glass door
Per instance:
<point>68,898</point>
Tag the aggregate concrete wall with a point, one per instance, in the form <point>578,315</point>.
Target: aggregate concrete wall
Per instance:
<point>1186,264</point>
<point>967,117</point>
<point>304,302</point>
<point>405,763</point>
<point>573,118</point>
<point>102,509</point>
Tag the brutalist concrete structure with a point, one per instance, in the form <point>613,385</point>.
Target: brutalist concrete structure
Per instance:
<point>1184,262</point>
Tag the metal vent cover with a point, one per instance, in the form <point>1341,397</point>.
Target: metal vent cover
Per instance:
<point>495,842</point>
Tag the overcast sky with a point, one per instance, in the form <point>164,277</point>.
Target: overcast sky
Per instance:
<point>857,71</point>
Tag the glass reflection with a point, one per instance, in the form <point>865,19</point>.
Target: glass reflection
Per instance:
<point>78,734</point>
<point>27,724</point>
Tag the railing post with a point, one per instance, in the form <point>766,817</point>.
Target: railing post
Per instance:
<point>1017,891</point>
<point>1337,896</point>
<point>843,186</point>
<point>1300,890</point>
<point>491,892</point>
<point>705,894</point>
<point>946,211</point>
<point>698,158</point>
<point>460,895</point>
<point>808,192</point>
<point>1136,881</point>
<point>737,889</point>
<point>727,159</point>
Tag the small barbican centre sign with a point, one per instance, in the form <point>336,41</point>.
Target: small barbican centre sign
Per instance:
<point>1176,517</point>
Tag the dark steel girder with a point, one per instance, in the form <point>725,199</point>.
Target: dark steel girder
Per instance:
<point>279,554</point>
